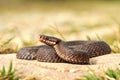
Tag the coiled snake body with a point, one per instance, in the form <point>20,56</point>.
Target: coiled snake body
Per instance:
<point>56,50</point>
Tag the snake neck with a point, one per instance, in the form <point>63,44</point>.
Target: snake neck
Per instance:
<point>62,48</point>
<point>70,55</point>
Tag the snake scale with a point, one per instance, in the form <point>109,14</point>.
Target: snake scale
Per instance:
<point>57,50</point>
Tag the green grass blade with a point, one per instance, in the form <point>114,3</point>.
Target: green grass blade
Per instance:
<point>10,67</point>
<point>8,75</point>
<point>3,72</point>
<point>91,77</point>
<point>111,73</point>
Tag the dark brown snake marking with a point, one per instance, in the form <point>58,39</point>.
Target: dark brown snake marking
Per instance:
<point>56,50</point>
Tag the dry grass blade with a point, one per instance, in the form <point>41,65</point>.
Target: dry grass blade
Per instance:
<point>7,42</point>
<point>98,37</point>
<point>88,37</point>
<point>58,31</point>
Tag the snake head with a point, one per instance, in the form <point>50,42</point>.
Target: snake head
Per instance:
<point>49,40</point>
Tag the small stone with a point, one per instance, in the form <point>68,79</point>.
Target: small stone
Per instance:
<point>73,70</point>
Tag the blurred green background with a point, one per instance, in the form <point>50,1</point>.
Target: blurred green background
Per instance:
<point>21,22</point>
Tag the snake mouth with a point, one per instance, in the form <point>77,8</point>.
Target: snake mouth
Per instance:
<point>48,40</point>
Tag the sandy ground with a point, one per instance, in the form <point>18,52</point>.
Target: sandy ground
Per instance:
<point>34,70</point>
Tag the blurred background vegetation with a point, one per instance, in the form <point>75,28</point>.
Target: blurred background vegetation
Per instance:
<point>21,22</point>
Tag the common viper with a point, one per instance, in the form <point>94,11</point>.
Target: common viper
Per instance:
<point>57,50</point>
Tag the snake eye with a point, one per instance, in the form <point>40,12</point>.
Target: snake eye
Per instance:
<point>41,36</point>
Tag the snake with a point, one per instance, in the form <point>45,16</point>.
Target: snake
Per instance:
<point>56,50</point>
